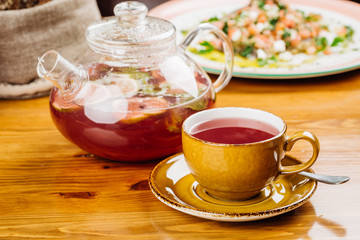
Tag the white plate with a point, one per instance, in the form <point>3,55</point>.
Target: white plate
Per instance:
<point>186,15</point>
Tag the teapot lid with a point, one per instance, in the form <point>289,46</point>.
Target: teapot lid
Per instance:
<point>130,29</point>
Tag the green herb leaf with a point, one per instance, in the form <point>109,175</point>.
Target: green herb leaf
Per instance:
<point>207,47</point>
<point>225,28</point>
<point>273,58</point>
<point>247,51</point>
<point>273,21</point>
<point>205,44</point>
<point>350,32</point>
<point>286,34</point>
<point>213,19</point>
<point>313,18</point>
<point>281,6</point>
<point>262,62</point>
<point>262,3</point>
<point>184,32</point>
<point>321,43</point>
<point>336,41</point>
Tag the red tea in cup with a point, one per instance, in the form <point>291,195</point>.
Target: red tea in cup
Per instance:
<point>233,131</point>
<point>235,171</point>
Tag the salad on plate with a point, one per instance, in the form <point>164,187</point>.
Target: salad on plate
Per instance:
<point>271,34</point>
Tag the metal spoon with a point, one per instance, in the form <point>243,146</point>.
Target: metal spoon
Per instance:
<point>325,178</point>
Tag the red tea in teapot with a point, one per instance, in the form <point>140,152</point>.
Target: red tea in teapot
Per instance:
<point>125,116</point>
<point>127,97</point>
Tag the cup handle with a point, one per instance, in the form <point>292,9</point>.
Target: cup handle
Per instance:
<point>308,136</point>
<point>226,74</point>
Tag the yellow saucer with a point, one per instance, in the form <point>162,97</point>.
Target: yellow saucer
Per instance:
<point>172,183</point>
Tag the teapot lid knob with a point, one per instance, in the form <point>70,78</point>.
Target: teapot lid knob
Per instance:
<point>130,12</point>
<point>130,32</point>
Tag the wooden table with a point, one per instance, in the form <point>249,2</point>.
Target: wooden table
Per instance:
<point>50,189</point>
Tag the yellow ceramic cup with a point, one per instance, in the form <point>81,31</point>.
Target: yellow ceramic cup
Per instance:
<point>241,171</point>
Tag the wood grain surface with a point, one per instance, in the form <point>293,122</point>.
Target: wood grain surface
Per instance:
<point>50,189</point>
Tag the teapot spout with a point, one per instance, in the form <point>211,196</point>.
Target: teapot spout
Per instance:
<point>61,73</point>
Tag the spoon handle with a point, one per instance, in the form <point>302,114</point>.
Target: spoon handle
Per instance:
<point>325,178</point>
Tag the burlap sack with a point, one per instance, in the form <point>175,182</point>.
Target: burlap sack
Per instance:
<point>27,33</point>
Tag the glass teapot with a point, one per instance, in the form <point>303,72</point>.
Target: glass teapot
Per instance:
<point>127,100</point>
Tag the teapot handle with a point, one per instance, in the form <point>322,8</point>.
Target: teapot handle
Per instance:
<point>226,74</point>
